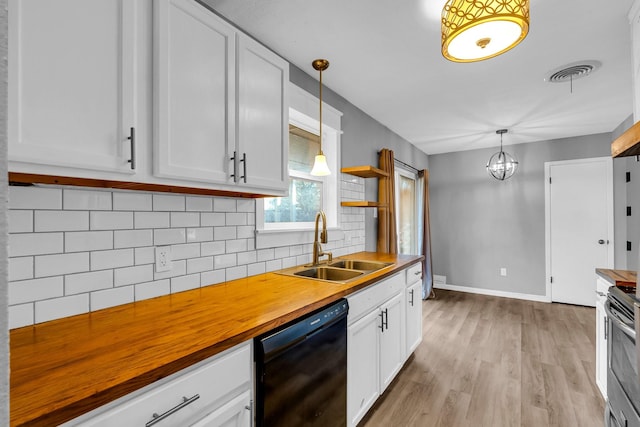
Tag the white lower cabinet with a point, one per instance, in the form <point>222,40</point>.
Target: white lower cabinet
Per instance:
<point>375,343</point>
<point>414,316</point>
<point>601,336</point>
<point>214,392</point>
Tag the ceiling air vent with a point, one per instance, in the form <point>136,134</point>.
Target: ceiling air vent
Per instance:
<point>573,71</point>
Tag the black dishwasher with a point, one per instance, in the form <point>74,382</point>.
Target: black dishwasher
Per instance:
<point>301,371</point>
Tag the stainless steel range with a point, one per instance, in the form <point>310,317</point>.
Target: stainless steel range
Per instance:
<point>623,406</point>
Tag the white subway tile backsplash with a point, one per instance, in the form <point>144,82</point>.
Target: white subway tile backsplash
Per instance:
<point>222,204</point>
<point>239,245</point>
<point>86,200</point>
<point>88,282</point>
<point>35,289</point>
<point>151,219</point>
<point>184,283</point>
<point>274,265</point>
<point>245,232</point>
<point>199,204</point>
<point>76,250</point>
<point>61,221</point>
<point>238,272</point>
<point>61,307</point>
<point>178,268</point>
<point>132,275</point>
<point>201,234</point>
<point>82,241</point>
<point>126,201</point>
<point>165,202</point>
<point>60,264</point>
<point>111,297</point>
<point>21,315</point>
<point>170,236</point>
<point>188,250</point>
<point>152,289</point>
<point>111,220</point>
<point>132,238</point>
<point>247,257</point>
<point>256,268</point>
<point>224,233</point>
<point>20,221</point>
<point>20,268</point>
<point>236,218</point>
<point>212,248</point>
<point>145,255</point>
<point>101,260</point>
<point>35,198</point>
<point>198,265</point>
<point>246,205</point>
<point>185,219</point>
<point>212,219</point>
<point>224,261</point>
<point>212,277</point>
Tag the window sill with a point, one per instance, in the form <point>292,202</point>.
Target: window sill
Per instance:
<point>278,238</point>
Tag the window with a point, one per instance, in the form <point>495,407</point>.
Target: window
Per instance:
<point>308,194</point>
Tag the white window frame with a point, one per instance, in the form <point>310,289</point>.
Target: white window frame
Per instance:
<point>303,113</point>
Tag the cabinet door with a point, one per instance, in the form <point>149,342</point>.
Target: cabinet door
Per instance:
<point>71,84</point>
<point>235,413</point>
<point>362,366</point>
<point>263,117</point>
<point>391,340</point>
<point>414,317</point>
<point>601,347</point>
<point>635,45</point>
<point>194,53</point>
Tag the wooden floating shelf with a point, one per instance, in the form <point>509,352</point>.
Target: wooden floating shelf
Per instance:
<point>361,204</point>
<point>365,171</point>
<point>627,144</point>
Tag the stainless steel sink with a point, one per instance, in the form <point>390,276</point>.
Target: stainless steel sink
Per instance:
<point>356,264</point>
<point>329,273</point>
<point>340,271</point>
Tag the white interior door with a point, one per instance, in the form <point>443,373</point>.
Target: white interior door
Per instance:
<point>579,224</point>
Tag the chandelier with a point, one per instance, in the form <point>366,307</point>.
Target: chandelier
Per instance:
<point>502,165</point>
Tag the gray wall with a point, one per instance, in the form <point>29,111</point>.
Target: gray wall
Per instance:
<point>480,224</point>
<point>4,325</point>
<point>363,137</point>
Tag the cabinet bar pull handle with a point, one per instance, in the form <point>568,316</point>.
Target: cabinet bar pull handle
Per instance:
<point>233,175</point>
<point>185,401</point>
<point>244,165</point>
<point>606,328</point>
<point>417,273</point>
<point>411,301</point>
<point>381,321</point>
<point>132,138</point>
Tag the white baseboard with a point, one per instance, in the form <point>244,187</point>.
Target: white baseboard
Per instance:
<point>492,292</point>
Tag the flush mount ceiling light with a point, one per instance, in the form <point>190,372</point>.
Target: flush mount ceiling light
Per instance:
<point>320,167</point>
<point>502,165</point>
<point>473,30</point>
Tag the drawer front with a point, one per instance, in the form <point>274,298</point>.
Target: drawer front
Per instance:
<point>190,394</point>
<point>362,302</point>
<point>414,273</point>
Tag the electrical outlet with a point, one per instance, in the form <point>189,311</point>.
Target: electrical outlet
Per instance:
<point>503,271</point>
<point>163,258</point>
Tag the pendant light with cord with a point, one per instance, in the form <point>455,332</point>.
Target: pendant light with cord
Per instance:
<point>320,167</point>
<point>502,165</point>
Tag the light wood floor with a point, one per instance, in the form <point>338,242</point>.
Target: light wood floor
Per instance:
<point>489,361</point>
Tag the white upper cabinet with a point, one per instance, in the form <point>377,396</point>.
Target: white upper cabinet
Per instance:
<point>263,116</point>
<point>221,107</point>
<point>194,55</point>
<point>634,19</point>
<point>72,83</point>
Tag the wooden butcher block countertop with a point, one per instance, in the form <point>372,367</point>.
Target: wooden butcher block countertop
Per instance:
<point>64,368</point>
<point>626,278</point>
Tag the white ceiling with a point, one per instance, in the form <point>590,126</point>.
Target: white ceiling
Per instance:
<point>385,59</point>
